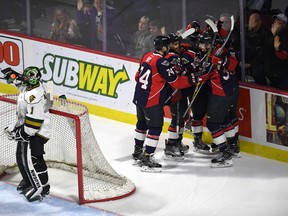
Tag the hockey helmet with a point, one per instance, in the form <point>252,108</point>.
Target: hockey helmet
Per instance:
<point>173,37</point>
<point>31,76</point>
<point>161,41</point>
<point>205,38</point>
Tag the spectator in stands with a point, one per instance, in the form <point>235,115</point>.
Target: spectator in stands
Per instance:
<point>90,20</point>
<point>275,68</point>
<point>85,17</point>
<point>64,28</point>
<point>138,38</point>
<point>224,24</point>
<point>155,30</point>
<point>255,43</point>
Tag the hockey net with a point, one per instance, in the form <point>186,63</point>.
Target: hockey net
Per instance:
<point>72,147</point>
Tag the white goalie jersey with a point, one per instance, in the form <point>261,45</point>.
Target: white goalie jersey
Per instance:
<point>33,111</point>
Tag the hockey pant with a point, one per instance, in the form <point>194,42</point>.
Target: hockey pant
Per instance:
<point>32,166</point>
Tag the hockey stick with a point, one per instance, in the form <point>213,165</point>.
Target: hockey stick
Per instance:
<point>187,33</point>
<point>198,88</point>
<point>218,52</point>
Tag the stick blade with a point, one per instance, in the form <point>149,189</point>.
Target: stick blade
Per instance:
<point>212,25</point>
<point>187,33</point>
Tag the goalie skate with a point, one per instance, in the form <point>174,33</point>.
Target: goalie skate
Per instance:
<point>32,194</point>
<point>222,160</point>
<point>22,185</point>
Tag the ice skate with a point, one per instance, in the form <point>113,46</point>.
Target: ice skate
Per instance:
<point>22,185</point>
<point>172,151</point>
<point>222,160</point>
<point>33,194</point>
<point>137,156</point>
<point>214,148</point>
<point>235,150</point>
<point>183,148</point>
<point>149,165</point>
<point>200,146</point>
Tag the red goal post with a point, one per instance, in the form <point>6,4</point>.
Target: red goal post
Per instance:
<point>72,147</point>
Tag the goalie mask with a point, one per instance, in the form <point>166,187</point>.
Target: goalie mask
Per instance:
<point>31,76</point>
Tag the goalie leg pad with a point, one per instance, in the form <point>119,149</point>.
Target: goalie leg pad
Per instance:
<point>37,172</point>
<point>25,182</point>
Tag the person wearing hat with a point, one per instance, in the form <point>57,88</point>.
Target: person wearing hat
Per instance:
<point>279,23</point>
<point>275,67</point>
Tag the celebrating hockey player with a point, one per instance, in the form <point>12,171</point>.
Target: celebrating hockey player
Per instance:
<point>31,130</point>
<point>191,59</point>
<point>177,104</point>
<point>219,74</point>
<point>153,78</point>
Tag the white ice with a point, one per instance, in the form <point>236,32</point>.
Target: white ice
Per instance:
<point>253,186</point>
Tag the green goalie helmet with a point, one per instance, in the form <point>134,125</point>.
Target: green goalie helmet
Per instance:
<point>31,76</point>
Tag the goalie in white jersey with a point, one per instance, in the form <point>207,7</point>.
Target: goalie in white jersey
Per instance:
<point>31,130</point>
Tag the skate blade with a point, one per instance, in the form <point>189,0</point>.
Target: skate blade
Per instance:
<point>173,158</point>
<point>227,163</point>
<point>151,170</point>
<point>201,151</point>
<point>237,155</point>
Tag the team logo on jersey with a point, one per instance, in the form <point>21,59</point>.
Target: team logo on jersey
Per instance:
<point>165,63</point>
<point>31,98</point>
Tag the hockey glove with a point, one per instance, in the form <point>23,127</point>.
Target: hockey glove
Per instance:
<point>10,134</point>
<point>21,135</point>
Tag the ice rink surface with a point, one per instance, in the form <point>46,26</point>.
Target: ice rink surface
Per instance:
<point>253,186</point>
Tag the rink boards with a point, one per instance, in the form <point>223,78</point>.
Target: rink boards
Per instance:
<point>105,83</point>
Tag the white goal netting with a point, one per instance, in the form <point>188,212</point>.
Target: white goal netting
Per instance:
<point>72,147</point>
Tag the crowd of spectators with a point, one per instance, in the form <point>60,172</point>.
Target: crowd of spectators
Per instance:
<point>106,29</point>
<point>266,43</point>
